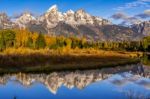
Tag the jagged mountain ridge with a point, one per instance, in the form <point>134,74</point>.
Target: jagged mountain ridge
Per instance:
<point>103,33</point>
<point>78,23</point>
<point>143,28</point>
<point>5,22</point>
<point>24,20</point>
<point>80,17</point>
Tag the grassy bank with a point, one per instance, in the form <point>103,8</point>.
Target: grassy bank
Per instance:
<point>45,60</point>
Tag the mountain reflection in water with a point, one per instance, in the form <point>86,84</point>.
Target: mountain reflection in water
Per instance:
<point>119,76</point>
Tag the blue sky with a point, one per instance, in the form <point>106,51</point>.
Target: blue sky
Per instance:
<point>103,8</point>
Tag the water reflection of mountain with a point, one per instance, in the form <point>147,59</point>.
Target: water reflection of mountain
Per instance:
<point>139,75</point>
<point>78,79</point>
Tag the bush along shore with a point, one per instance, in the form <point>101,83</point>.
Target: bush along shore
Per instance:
<point>25,51</point>
<point>45,60</point>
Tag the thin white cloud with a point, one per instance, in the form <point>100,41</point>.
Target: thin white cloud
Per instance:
<point>126,19</point>
<point>137,3</point>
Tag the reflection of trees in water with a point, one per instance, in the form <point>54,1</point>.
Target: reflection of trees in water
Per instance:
<point>146,59</point>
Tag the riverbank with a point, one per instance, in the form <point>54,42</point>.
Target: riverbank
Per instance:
<point>45,60</point>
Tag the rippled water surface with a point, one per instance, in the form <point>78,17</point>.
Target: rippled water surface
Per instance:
<point>124,82</point>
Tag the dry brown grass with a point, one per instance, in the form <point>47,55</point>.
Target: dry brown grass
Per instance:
<point>24,59</point>
<point>65,51</point>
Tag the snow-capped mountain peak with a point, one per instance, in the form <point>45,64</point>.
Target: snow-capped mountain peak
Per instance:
<point>52,8</point>
<point>81,11</point>
<point>24,19</point>
<point>28,16</point>
<point>143,27</point>
<point>5,21</point>
<point>3,17</point>
<point>54,19</point>
<point>70,12</point>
